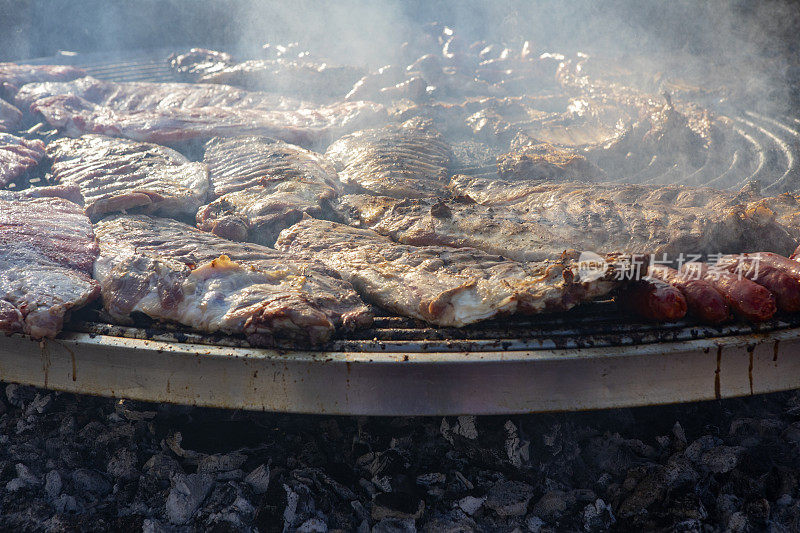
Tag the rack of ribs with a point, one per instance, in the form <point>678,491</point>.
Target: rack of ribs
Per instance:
<point>18,156</point>
<point>402,161</point>
<point>47,250</point>
<point>440,285</point>
<point>171,271</point>
<point>263,186</point>
<point>118,174</point>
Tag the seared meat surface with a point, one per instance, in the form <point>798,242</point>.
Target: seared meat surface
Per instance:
<point>174,112</point>
<point>10,116</point>
<point>669,219</point>
<point>406,161</point>
<point>542,161</point>
<point>263,186</point>
<point>13,76</point>
<point>118,174</point>
<point>442,286</point>
<point>47,250</point>
<point>171,271</point>
<point>18,156</point>
<point>285,75</point>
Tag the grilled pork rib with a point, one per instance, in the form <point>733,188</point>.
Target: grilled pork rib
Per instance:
<point>18,156</point>
<point>670,219</point>
<point>263,186</point>
<point>118,174</point>
<point>171,113</point>
<point>442,286</point>
<point>47,250</point>
<point>13,76</point>
<point>406,161</point>
<point>171,271</point>
<point>10,117</point>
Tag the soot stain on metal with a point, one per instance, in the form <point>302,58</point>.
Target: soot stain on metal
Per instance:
<point>750,349</point>
<point>45,362</point>
<point>775,351</point>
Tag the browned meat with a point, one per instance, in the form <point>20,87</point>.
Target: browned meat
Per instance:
<point>653,299</point>
<point>542,161</point>
<point>407,161</point>
<point>443,286</point>
<point>703,300</point>
<point>263,186</point>
<point>10,117</point>
<point>302,77</point>
<point>306,126</point>
<point>171,271</point>
<point>18,156</point>
<point>770,271</point>
<point>47,250</point>
<point>669,219</point>
<point>13,76</point>
<point>749,300</point>
<point>118,175</point>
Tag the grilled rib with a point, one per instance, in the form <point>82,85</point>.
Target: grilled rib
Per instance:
<point>171,271</point>
<point>118,174</point>
<point>47,250</point>
<point>406,161</point>
<point>10,117</point>
<point>18,156</point>
<point>263,186</point>
<point>442,286</point>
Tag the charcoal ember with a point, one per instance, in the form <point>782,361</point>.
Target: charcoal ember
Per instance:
<point>25,479</point>
<point>650,488</point>
<point>401,505</point>
<point>215,464</point>
<point>53,484</point>
<point>186,495</point>
<point>721,459</point>
<point>553,504</point>
<point>19,395</point>
<point>122,464</point>
<point>227,505</point>
<point>471,504</point>
<point>694,452</point>
<point>509,498</point>
<point>91,482</point>
<point>162,466</point>
<point>258,479</point>
<point>598,516</point>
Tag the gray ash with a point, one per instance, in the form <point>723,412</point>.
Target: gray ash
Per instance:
<point>72,462</point>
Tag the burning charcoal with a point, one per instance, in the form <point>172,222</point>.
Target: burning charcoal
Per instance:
<point>598,516</point>
<point>470,504</point>
<point>19,395</point>
<point>53,484</point>
<point>509,498</point>
<point>534,524</point>
<point>90,481</point>
<point>464,426</point>
<point>258,479</point>
<point>186,495</point>
<point>25,479</point>
<point>518,450</point>
<point>162,466</point>
<point>213,464</point>
<point>722,459</point>
<point>696,449</point>
<point>738,523</point>
<point>395,525</point>
<point>679,471</point>
<point>122,464</point>
<point>553,504</point>
<point>399,505</point>
<point>650,489</point>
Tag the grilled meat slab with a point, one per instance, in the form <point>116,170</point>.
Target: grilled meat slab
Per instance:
<point>542,161</point>
<point>18,156</point>
<point>406,161</point>
<point>263,186</point>
<point>13,76</point>
<point>118,174</point>
<point>10,116</point>
<point>173,112</point>
<point>443,286</point>
<point>171,271</point>
<point>670,219</point>
<point>283,75</point>
<point>47,250</point>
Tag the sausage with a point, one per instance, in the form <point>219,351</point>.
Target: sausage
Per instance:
<point>653,299</point>
<point>703,300</point>
<point>796,254</point>
<point>746,298</point>
<point>771,271</point>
